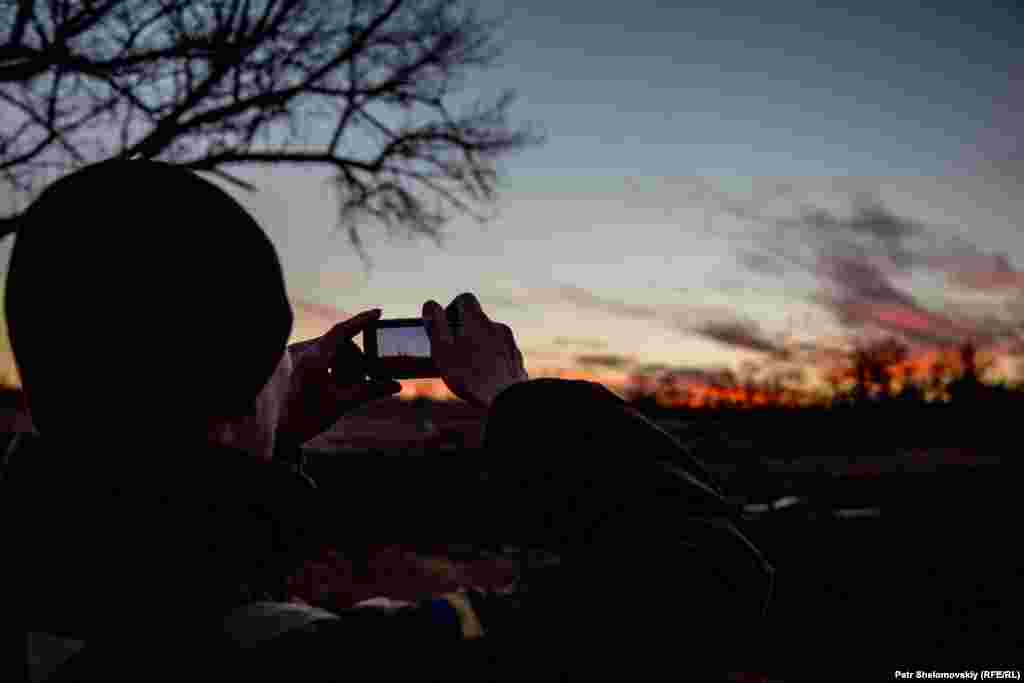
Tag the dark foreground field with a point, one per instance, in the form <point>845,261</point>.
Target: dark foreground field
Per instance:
<point>924,577</point>
<point>882,564</point>
<point>897,556</point>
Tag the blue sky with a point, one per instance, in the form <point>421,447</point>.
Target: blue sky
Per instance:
<point>751,89</point>
<point>599,237</point>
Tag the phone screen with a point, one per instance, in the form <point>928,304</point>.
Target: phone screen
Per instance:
<point>403,342</point>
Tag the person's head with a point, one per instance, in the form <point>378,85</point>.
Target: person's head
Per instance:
<point>142,299</point>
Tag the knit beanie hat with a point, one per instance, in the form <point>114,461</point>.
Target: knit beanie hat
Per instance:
<point>139,293</point>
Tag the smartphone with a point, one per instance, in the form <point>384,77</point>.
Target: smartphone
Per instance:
<point>399,348</point>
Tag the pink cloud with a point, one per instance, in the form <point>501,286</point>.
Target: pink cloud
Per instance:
<point>863,295</point>
<point>978,270</point>
<point>314,319</point>
<point>320,311</point>
<point>987,280</point>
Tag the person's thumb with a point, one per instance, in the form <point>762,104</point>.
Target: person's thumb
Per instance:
<point>437,324</point>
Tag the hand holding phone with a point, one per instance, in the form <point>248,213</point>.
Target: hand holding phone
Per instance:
<point>399,348</point>
<point>479,358</point>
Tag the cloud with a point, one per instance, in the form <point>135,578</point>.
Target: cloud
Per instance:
<point>321,312</point>
<point>586,299</point>
<point>717,323</point>
<point>651,369</point>
<point>720,378</point>
<point>871,229</point>
<point>860,281</point>
<point>913,324</point>
<point>608,361</point>
<point>742,334</point>
<point>868,231</point>
<point>869,218</point>
<point>862,296</point>
<point>314,319</point>
<point>759,262</point>
<point>856,254</point>
<point>341,280</point>
<point>649,376</point>
<point>982,272</point>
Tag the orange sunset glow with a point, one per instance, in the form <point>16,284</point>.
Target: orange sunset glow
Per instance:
<point>436,390</point>
<point>681,389</point>
<point>673,391</point>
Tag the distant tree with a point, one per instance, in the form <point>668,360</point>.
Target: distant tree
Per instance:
<point>968,360</point>
<point>874,365</point>
<point>668,390</point>
<point>371,89</point>
<point>968,386</point>
<point>911,394</point>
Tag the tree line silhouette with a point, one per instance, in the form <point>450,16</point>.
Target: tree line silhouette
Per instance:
<point>876,402</point>
<point>876,405</point>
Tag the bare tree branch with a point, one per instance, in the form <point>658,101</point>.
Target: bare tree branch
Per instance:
<point>363,87</point>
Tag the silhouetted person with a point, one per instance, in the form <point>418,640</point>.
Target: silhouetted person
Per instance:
<point>149,320</point>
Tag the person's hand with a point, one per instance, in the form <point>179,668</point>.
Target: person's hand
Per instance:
<point>480,358</point>
<point>327,380</point>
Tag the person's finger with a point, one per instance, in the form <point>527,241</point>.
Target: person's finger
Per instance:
<point>438,330</point>
<point>469,304</point>
<point>327,345</point>
<point>470,311</point>
<point>347,329</point>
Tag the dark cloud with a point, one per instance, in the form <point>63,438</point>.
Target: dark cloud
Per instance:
<point>858,291</point>
<point>860,281</point>
<point>586,299</point>
<point>854,254</point>
<point>911,323</point>
<point>654,374</point>
<point>651,369</point>
<point>862,296</point>
<point>903,244</point>
<point>799,234</point>
<point>870,231</point>
<point>680,319</point>
<point>869,218</point>
<point>742,334</point>
<point>761,262</point>
<point>608,360</point>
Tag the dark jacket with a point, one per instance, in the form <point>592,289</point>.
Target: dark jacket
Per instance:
<point>136,544</point>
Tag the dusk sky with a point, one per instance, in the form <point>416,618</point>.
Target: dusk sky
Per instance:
<point>607,242</point>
